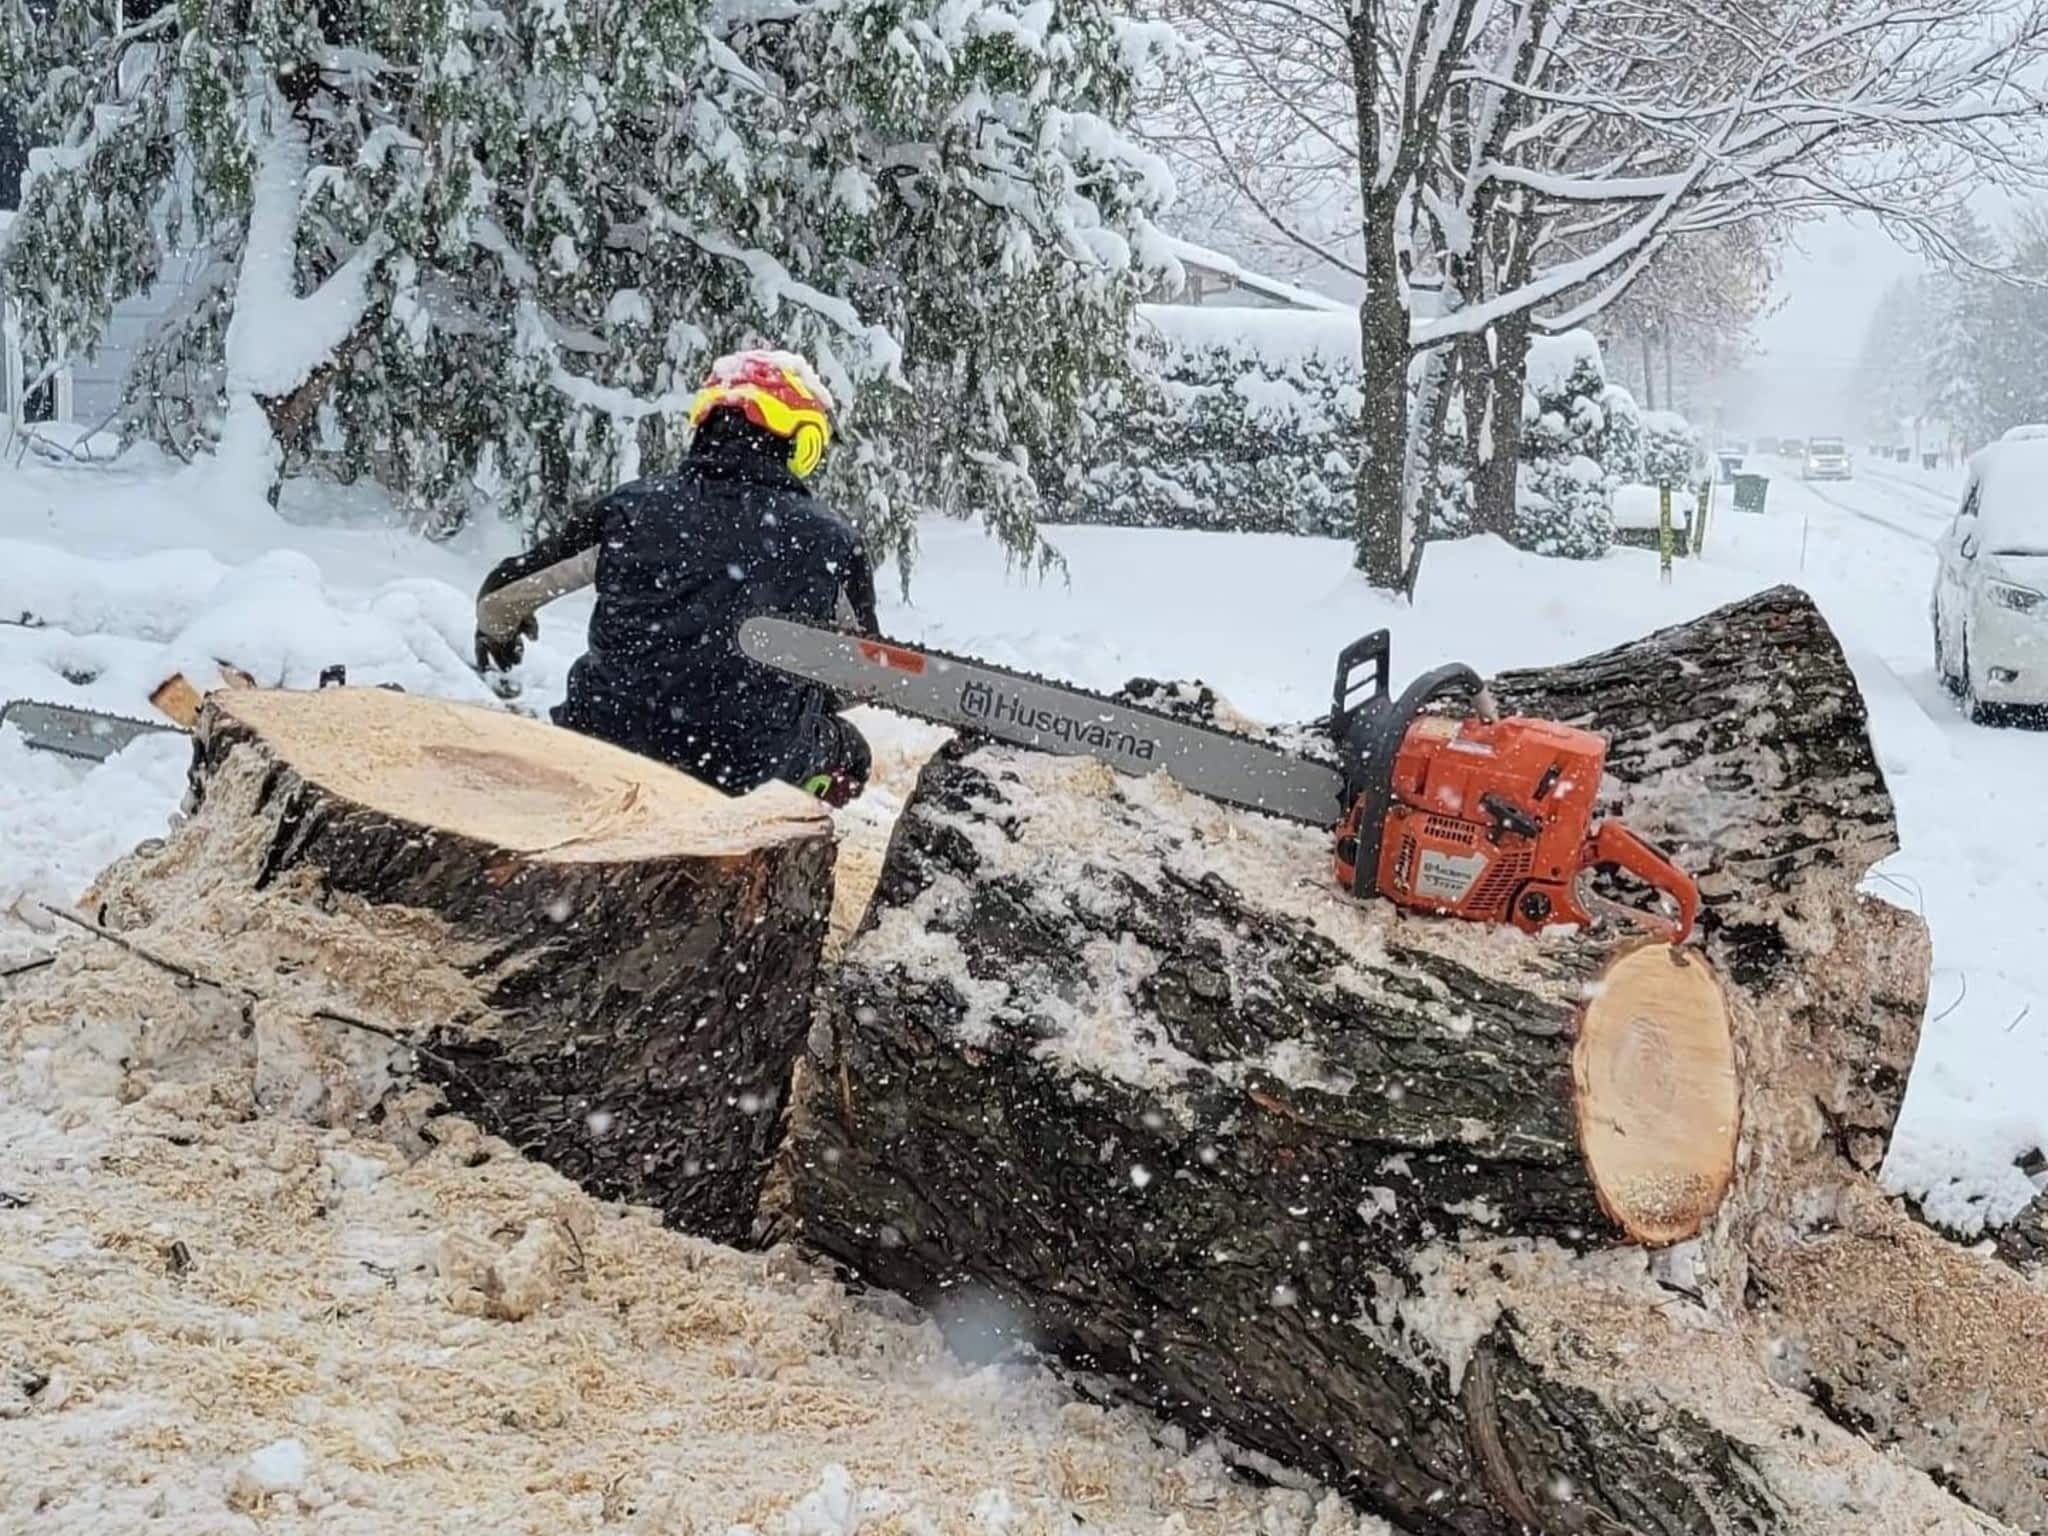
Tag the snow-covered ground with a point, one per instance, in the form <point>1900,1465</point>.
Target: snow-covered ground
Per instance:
<point>139,570</point>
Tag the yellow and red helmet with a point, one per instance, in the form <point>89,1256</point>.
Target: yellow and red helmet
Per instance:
<point>775,390</point>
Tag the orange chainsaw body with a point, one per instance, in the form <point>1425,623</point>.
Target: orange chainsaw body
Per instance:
<point>1490,820</point>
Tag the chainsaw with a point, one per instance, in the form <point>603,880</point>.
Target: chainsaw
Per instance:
<point>1472,815</point>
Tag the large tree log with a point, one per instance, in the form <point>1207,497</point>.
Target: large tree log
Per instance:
<point>1307,1171</point>
<point>592,955</point>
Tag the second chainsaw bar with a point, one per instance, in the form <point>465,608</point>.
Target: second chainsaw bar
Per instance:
<point>1014,707</point>
<point>91,735</point>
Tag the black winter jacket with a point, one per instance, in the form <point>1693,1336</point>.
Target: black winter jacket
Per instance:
<point>682,560</point>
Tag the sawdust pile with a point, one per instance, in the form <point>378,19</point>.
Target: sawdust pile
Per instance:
<point>218,1320</point>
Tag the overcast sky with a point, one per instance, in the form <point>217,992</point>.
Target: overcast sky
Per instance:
<point>1828,285</point>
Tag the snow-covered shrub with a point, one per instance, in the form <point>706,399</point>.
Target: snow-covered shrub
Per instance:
<point>531,226</point>
<point>1219,433</point>
<point>1621,443</point>
<point>1671,449</point>
<point>1562,492</point>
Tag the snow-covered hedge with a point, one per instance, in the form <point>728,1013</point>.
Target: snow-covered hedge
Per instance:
<point>1246,421</point>
<point>1211,429</point>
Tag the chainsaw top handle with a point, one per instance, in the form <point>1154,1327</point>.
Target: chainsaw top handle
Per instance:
<point>1369,736</point>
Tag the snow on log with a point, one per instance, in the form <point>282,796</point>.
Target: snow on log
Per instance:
<point>1427,1210</point>
<point>593,956</point>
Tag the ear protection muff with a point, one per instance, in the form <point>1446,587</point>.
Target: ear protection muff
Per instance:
<point>806,448</point>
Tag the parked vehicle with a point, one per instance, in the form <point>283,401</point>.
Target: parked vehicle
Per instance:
<point>1826,458</point>
<point>1990,605</point>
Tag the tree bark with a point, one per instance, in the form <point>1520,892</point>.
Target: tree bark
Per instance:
<point>1122,1065</point>
<point>590,954</point>
<point>1498,393</point>
<point>1383,412</point>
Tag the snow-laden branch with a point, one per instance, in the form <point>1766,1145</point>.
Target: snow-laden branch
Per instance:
<point>774,286</point>
<point>277,337</point>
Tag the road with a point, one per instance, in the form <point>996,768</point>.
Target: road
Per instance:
<point>1975,854</point>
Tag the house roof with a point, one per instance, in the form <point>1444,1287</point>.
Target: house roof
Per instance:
<point>1188,253</point>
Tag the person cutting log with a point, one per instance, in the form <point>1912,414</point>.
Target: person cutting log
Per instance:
<point>680,560</point>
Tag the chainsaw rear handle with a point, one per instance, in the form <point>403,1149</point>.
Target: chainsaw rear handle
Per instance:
<point>1613,843</point>
<point>1375,648</point>
<point>1369,736</point>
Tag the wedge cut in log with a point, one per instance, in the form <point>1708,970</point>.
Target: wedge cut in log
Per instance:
<point>1495,1233</point>
<point>179,701</point>
<point>590,954</point>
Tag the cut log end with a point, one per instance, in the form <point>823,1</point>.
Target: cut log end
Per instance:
<point>509,782</point>
<point>1657,1095</point>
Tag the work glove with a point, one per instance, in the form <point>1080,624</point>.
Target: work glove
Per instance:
<point>501,653</point>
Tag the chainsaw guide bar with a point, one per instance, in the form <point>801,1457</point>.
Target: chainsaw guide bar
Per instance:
<point>1029,711</point>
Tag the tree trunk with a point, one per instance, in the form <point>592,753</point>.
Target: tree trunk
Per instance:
<point>1383,320</point>
<point>1383,421</point>
<point>1355,1189</point>
<point>1649,375</point>
<point>1495,480</point>
<point>591,955</point>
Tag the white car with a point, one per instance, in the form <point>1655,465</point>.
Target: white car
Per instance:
<point>1991,582</point>
<point>1827,458</point>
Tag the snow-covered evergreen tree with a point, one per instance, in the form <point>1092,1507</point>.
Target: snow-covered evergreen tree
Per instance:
<point>1449,511</point>
<point>485,254</point>
<point>1987,361</point>
<point>1564,497</point>
<point>988,209</point>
